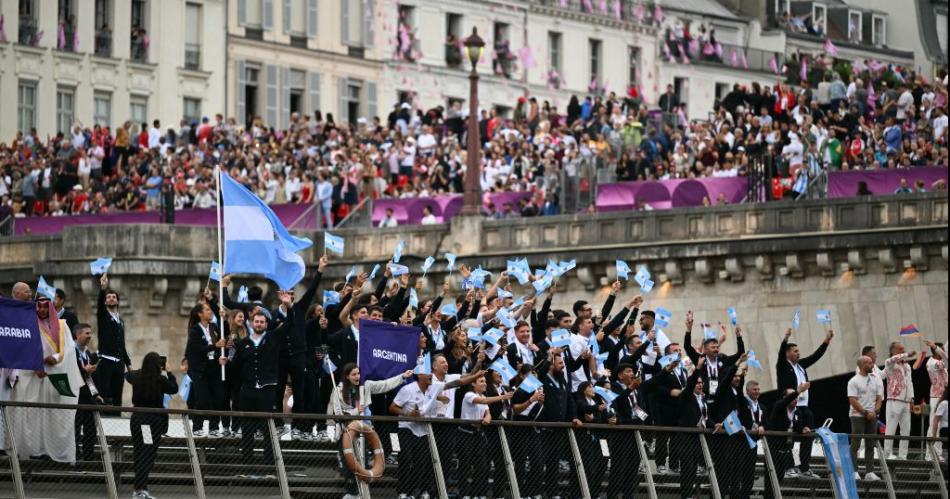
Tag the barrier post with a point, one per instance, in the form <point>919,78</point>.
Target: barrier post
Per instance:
<point>12,455</point>
<point>193,457</point>
<point>938,472</point>
<point>770,469</point>
<point>278,460</point>
<point>579,464</point>
<point>644,458</point>
<point>509,463</point>
<point>707,456</point>
<point>436,464</point>
<point>106,455</point>
<point>888,481</point>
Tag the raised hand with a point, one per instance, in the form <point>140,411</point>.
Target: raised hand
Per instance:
<point>104,281</point>
<point>689,321</point>
<point>322,266</point>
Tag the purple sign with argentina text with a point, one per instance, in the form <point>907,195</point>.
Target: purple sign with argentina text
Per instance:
<point>20,343</point>
<point>386,350</point>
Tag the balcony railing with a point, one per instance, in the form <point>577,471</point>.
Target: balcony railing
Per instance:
<point>104,43</point>
<point>192,56</point>
<point>139,47</point>
<point>725,54</point>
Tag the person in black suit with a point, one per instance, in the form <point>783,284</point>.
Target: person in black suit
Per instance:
<point>85,425</point>
<point>716,364</point>
<point>113,357</point>
<point>725,448</point>
<point>785,416</point>
<point>150,384</point>
<point>666,411</point>
<point>630,409</point>
<point>558,406</point>
<point>592,408</point>
<point>67,315</point>
<point>693,412</point>
<point>203,352</point>
<point>791,371</point>
<point>525,440</point>
<point>345,342</point>
<point>753,416</point>
<point>255,359</point>
<point>523,351</point>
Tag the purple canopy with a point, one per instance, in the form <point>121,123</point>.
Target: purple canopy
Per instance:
<point>662,194</point>
<point>845,184</point>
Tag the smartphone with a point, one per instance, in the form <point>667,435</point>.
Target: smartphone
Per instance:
<point>164,361</point>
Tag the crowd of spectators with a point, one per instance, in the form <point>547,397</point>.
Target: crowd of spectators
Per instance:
<point>877,117</point>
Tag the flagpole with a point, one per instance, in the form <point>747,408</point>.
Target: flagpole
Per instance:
<point>220,259</point>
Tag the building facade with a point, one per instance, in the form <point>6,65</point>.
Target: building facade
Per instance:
<point>86,62</point>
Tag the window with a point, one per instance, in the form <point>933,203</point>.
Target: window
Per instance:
<point>193,36</point>
<point>633,77</point>
<point>351,99</point>
<point>855,29</point>
<point>406,19</point>
<point>818,14</point>
<point>138,14</point>
<point>26,106</point>
<point>679,88</point>
<point>65,109</point>
<point>353,23</point>
<point>554,50</point>
<point>138,109</point>
<point>252,86</point>
<point>103,29</point>
<point>453,37</point>
<point>102,109</point>
<point>879,30</point>
<point>138,45</point>
<point>595,59</point>
<point>721,90</point>
<point>253,13</point>
<point>941,31</point>
<point>297,24</point>
<point>297,87</point>
<point>191,109</point>
<point>66,12</point>
<point>28,21</point>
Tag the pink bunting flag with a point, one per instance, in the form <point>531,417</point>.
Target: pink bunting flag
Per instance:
<point>694,46</point>
<point>76,41</point>
<point>875,66</point>
<point>858,66</point>
<point>3,30</point>
<point>617,10</point>
<point>38,37</point>
<point>745,60</point>
<point>658,14</point>
<point>803,71</point>
<point>830,48</point>
<point>666,51</point>
<point>734,59</point>
<point>603,7</point>
<point>527,58</point>
<point>773,64</point>
<point>146,41</point>
<point>872,97</point>
<point>563,4</point>
<point>586,6</point>
<point>639,12</point>
<point>61,37</point>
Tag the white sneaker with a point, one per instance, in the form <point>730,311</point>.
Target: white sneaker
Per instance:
<point>214,434</point>
<point>137,495</point>
<point>322,437</point>
<point>199,434</point>
<point>892,457</point>
<point>791,473</point>
<point>663,470</point>
<point>872,477</point>
<point>809,474</point>
<point>296,435</point>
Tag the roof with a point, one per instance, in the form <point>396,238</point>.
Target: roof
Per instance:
<point>705,7</point>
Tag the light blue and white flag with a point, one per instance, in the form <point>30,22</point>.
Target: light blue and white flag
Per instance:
<point>824,316</point>
<point>328,366</point>
<point>530,384</point>
<point>493,335</point>
<point>838,454</point>
<point>372,275</point>
<point>351,273</point>
<point>668,359</point>
<point>503,293</point>
<point>397,270</point>
<point>426,265</point>
<point>256,242</point>
<point>333,244</point>
<point>753,361</point>
<point>413,298</point>
<point>43,288</point>
<point>731,424</point>
<point>796,320</point>
<point>733,317</point>
<point>423,365</point>
<point>330,298</point>
<point>504,315</point>
<point>215,273</point>
<point>242,295</point>
<point>708,332</point>
<point>450,258</point>
<point>607,395</point>
<point>397,251</point>
<point>560,338</point>
<point>647,286</point>
<point>449,309</point>
<point>474,334</point>
<point>662,318</point>
<point>623,270</point>
<point>502,367</point>
<point>642,276</point>
<point>100,265</point>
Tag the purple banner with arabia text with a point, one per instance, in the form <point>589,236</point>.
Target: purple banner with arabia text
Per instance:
<point>386,350</point>
<point>20,343</point>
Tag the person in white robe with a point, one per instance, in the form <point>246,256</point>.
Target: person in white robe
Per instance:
<point>46,432</point>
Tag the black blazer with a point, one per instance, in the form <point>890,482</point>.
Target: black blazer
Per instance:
<point>111,334</point>
<point>724,361</point>
<point>785,372</point>
<point>690,412</point>
<point>71,320</point>
<point>345,346</point>
<point>778,419</point>
<point>624,407</point>
<point>750,419</point>
<point>559,403</point>
<point>197,349</point>
<point>85,396</point>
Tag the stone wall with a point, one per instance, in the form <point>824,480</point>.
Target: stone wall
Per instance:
<point>877,264</point>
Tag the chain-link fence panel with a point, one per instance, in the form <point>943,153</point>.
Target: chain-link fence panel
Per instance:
<point>48,455</point>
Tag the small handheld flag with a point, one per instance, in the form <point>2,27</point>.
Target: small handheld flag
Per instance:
<point>502,367</point>
<point>503,293</point>
<point>372,275</point>
<point>474,334</point>
<point>242,295</point>
<point>424,365</point>
<point>910,331</point>
<point>623,270</point>
<point>100,265</point>
<point>796,320</point>
<point>330,298</point>
<point>328,366</point>
<point>708,332</point>
<point>426,265</point>
<point>668,359</point>
<point>560,338</point>
<point>732,424</point>
<point>215,273</point>
<point>493,335</point>
<point>504,315</point>
<point>450,258</point>
<point>397,270</point>
<point>647,286</point>
<point>607,395</point>
<point>662,318</point>
<point>334,244</point>
<point>351,274</point>
<point>642,276</point>
<point>43,288</point>
<point>824,316</point>
<point>530,384</point>
<point>413,298</point>
<point>753,362</point>
<point>449,309</point>
<point>733,318</point>
<point>397,252</point>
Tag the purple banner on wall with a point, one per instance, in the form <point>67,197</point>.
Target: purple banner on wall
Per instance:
<point>845,184</point>
<point>288,213</point>
<point>672,193</point>
<point>410,211</point>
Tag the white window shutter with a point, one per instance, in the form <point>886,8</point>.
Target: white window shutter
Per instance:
<point>288,12</point>
<point>267,15</point>
<point>369,17</point>
<point>285,97</point>
<point>312,17</point>
<point>370,101</point>
<point>272,96</point>
<point>242,12</point>
<point>314,92</point>
<point>240,97</point>
<point>344,107</point>
<point>345,21</point>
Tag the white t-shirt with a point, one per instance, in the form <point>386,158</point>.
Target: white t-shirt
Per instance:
<point>447,409</point>
<point>471,410</point>
<point>426,142</point>
<point>412,397</point>
<point>866,389</point>
<point>579,345</point>
<point>941,412</point>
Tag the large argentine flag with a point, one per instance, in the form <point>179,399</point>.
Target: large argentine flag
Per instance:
<point>255,240</point>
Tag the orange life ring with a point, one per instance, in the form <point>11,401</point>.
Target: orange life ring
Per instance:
<point>349,457</point>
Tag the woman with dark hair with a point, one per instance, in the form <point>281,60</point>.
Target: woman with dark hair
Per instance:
<point>472,440</point>
<point>203,352</point>
<point>863,189</point>
<point>591,408</point>
<point>235,330</point>
<point>150,384</point>
<point>573,110</point>
<point>348,398</point>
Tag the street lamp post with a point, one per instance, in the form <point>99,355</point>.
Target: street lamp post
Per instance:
<point>474,46</point>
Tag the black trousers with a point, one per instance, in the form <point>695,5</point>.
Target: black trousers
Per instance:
<point>415,465</point>
<point>807,442</point>
<point>144,453</point>
<point>473,471</point>
<point>494,454</point>
<point>110,380</point>
<point>746,471</point>
<point>85,429</point>
<point>665,451</point>
<point>257,400</point>
<point>305,392</point>
<point>690,457</point>
<point>781,450</point>
<point>624,465</point>
<point>726,455</point>
<point>445,439</point>
<point>525,444</point>
<point>208,393</point>
<point>555,447</point>
<point>595,464</point>
<point>321,401</point>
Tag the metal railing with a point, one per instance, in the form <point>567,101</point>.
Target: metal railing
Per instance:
<point>8,226</point>
<point>192,56</point>
<point>169,449</point>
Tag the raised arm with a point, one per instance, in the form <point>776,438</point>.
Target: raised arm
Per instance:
<point>813,358</point>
